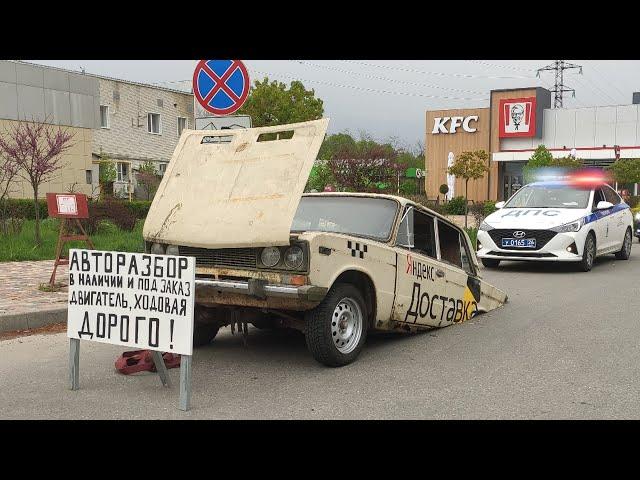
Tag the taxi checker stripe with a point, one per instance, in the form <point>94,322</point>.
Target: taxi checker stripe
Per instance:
<point>221,82</point>
<point>356,250</point>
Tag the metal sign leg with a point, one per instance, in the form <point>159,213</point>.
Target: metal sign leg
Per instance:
<point>161,368</point>
<point>185,382</point>
<point>74,363</point>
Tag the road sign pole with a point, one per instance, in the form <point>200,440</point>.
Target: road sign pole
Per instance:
<point>185,382</point>
<point>74,363</point>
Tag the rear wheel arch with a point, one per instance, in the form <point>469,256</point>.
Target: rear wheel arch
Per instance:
<point>363,282</point>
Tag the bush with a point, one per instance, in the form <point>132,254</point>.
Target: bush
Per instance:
<point>23,208</point>
<point>455,206</point>
<point>138,209</point>
<point>489,207</point>
<point>112,210</point>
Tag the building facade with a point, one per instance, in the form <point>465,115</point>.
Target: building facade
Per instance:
<point>139,123</point>
<point>64,99</point>
<point>510,129</point>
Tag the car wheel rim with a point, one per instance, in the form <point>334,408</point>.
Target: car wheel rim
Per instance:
<point>627,243</point>
<point>346,325</point>
<point>590,253</point>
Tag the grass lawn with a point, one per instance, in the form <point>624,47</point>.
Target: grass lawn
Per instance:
<point>108,237</point>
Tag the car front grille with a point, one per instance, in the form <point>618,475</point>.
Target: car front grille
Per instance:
<point>222,257</point>
<point>522,254</point>
<point>542,237</point>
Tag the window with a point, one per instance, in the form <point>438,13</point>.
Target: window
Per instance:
<point>123,172</point>
<point>104,116</point>
<point>598,197</point>
<point>182,124</point>
<point>450,245</point>
<point>467,265</point>
<point>162,168</point>
<point>610,195</point>
<point>153,123</point>
<point>88,176</point>
<point>416,232</point>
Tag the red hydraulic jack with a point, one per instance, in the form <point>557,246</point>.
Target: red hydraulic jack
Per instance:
<point>142,361</point>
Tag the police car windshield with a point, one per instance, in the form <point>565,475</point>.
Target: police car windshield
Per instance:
<point>549,196</point>
<point>360,216</point>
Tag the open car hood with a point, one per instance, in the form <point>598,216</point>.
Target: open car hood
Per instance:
<point>234,188</point>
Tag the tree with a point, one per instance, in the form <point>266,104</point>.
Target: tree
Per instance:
<point>626,170</point>
<point>36,149</point>
<point>8,171</point>
<point>107,174</point>
<point>319,177</point>
<point>539,159</point>
<point>469,166</point>
<point>148,179</point>
<point>272,103</point>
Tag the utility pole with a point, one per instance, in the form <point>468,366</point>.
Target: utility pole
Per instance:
<point>559,66</point>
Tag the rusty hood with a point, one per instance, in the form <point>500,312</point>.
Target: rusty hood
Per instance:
<point>234,188</point>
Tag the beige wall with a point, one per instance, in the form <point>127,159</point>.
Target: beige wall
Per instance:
<point>76,160</point>
<point>438,146</point>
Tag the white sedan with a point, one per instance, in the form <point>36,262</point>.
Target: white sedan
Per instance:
<point>557,221</point>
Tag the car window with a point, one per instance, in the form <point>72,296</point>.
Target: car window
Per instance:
<point>610,195</point>
<point>450,246</point>
<point>598,197</point>
<point>416,233</point>
<point>467,266</point>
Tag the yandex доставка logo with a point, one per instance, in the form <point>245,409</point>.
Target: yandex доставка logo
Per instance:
<point>440,124</point>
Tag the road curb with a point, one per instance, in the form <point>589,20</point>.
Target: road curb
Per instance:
<point>29,320</point>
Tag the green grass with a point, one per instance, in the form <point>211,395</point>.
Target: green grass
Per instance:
<point>473,235</point>
<point>108,237</point>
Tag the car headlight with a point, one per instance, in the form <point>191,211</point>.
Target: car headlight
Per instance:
<point>485,226</point>
<point>173,250</point>
<point>157,249</point>
<point>294,257</point>
<point>270,257</point>
<point>569,227</point>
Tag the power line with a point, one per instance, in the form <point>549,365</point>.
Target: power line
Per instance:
<point>608,82</point>
<point>508,67</point>
<point>559,66</point>
<point>387,79</point>
<point>439,74</point>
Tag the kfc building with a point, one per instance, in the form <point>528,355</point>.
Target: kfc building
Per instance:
<point>510,129</point>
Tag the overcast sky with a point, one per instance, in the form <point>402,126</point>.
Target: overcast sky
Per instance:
<point>389,98</point>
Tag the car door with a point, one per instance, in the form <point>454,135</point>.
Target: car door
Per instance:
<point>601,223</point>
<point>617,224</point>
<point>420,278</point>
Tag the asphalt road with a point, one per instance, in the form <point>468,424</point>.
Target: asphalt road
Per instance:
<point>565,346</point>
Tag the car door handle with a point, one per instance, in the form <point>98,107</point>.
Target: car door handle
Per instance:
<point>439,273</point>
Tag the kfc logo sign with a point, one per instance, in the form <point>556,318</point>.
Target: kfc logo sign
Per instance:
<point>440,124</point>
<point>518,117</point>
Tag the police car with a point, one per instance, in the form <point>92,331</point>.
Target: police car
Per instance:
<point>562,221</point>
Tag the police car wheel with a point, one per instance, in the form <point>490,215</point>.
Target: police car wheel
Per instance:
<point>625,251</point>
<point>589,253</point>
<point>490,262</point>
<point>204,330</point>
<point>337,328</point>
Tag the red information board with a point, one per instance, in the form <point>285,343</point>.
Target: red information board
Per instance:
<point>67,205</point>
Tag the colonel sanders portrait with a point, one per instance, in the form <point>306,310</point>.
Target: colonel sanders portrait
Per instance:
<point>517,114</point>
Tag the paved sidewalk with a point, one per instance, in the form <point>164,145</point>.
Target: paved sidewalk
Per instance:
<point>22,305</point>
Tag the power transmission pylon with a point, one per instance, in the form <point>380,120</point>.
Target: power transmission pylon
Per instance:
<point>559,66</point>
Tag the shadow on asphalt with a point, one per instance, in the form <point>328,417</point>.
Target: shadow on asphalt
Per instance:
<point>549,267</point>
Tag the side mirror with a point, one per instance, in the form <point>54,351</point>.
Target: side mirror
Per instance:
<point>499,205</point>
<point>604,205</point>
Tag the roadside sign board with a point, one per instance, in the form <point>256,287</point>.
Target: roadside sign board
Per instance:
<point>136,300</point>
<point>221,86</point>
<point>67,205</point>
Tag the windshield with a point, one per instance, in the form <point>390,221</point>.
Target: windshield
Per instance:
<point>369,217</point>
<point>549,196</point>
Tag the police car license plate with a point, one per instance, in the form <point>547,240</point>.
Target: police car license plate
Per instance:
<point>519,242</point>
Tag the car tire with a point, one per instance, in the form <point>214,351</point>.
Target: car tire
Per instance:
<point>203,331</point>
<point>490,262</point>
<point>588,253</point>
<point>337,328</point>
<point>625,251</point>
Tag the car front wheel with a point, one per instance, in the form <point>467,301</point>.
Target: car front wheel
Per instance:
<point>589,253</point>
<point>337,328</point>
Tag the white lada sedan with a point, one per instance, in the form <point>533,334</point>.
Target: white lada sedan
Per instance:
<point>557,221</point>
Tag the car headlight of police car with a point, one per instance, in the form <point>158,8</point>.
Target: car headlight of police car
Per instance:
<point>485,227</point>
<point>569,227</point>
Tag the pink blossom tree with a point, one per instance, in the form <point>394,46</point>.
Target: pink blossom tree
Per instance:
<point>36,150</point>
<point>8,171</point>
